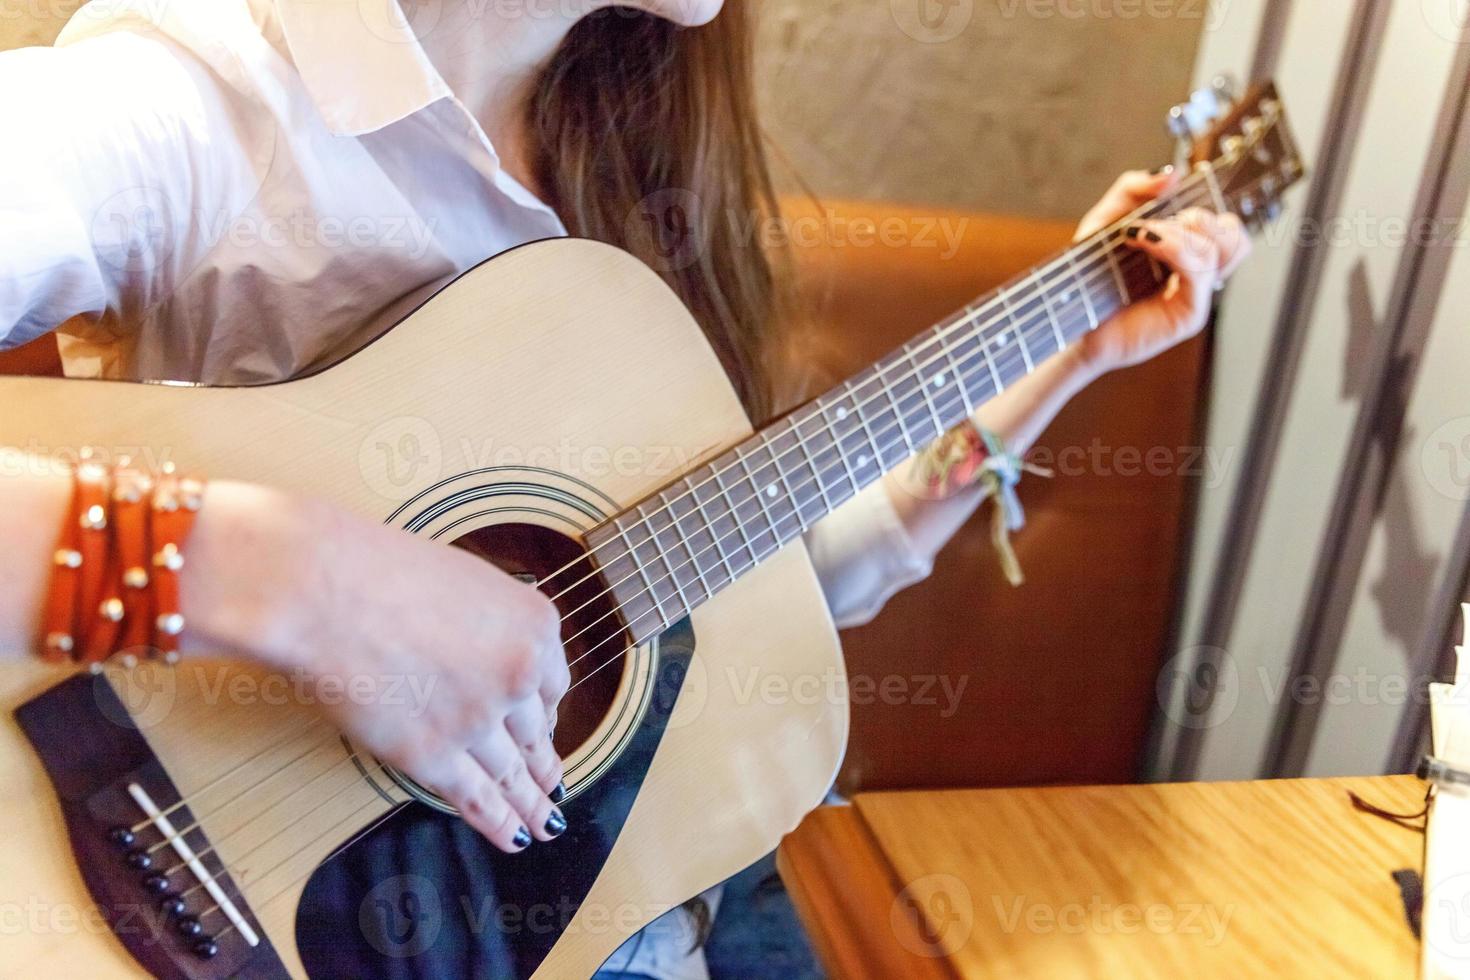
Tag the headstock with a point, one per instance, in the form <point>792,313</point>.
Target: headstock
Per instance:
<point>1245,142</point>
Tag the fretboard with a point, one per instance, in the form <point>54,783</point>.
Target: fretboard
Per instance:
<point>695,537</point>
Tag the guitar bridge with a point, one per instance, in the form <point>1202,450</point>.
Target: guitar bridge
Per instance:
<point>156,879</point>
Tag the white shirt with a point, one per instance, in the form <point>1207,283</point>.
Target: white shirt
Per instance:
<point>236,191</point>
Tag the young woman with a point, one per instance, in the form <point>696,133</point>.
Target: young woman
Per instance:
<point>236,192</point>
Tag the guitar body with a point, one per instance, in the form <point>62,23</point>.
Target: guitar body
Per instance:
<point>547,389</point>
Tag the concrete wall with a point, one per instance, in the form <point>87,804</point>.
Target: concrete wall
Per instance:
<point>1019,106</point>
<point>1031,107</point>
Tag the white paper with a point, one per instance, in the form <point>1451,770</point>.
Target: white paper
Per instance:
<point>1446,946</point>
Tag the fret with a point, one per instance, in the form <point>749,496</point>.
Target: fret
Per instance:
<point>990,362</point>
<point>714,529</point>
<point>1082,288</point>
<point>898,413</point>
<point>1117,273</point>
<point>827,426</point>
<point>760,497</point>
<point>1011,321</point>
<point>782,478</point>
<point>663,556</point>
<point>735,516</point>
<point>938,382</point>
<point>1056,328</point>
<point>671,508</point>
<point>643,575</point>
<point>878,460</point>
<point>811,463</point>
<point>954,369</point>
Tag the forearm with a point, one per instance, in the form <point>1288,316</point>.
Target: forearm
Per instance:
<point>33,497</point>
<point>1018,416</point>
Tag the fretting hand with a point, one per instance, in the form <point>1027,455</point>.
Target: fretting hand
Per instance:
<point>1201,249</point>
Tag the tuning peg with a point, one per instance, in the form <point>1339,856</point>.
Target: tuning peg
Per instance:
<point>1225,86</point>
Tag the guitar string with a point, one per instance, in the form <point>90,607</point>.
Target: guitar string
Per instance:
<point>964,371</point>
<point>1008,352</point>
<point>1036,324</point>
<point>1101,247</point>
<point>984,347</point>
<point>311,723</point>
<point>197,820</point>
<point>1100,241</point>
<point>778,545</point>
<point>217,841</point>
<point>256,906</point>
<point>354,781</point>
<point>739,526</point>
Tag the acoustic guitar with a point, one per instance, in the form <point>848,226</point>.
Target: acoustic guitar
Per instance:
<point>557,411</point>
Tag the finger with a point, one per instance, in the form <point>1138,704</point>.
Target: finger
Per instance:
<point>1228,232</point>
<point>1132,190</point>
<point>1195,261</point>
<point>556,678</point>
<point>530,730</point>
<point>470,790</point>
<point>496,751</point>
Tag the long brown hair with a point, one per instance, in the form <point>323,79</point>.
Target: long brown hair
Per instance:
<point>644,135</point>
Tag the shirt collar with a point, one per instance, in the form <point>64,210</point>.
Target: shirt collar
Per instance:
<point>360,61</point>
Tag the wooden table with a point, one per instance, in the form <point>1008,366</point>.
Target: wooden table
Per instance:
<point>1278,877</point>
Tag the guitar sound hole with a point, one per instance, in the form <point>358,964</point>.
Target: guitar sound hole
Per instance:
<point>591,628</point>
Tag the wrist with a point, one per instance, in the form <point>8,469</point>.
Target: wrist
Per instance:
<point>250,564</point>
<point>1088,361</point>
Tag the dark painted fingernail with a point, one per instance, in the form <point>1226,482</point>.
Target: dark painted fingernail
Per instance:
<point>556,824</point>
<point>1153,236</point>
<point>522,839</point>
<point>1133,231</point>
<point>559,793</point>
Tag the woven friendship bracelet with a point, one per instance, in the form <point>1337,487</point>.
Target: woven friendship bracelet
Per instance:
<point>968,455</point>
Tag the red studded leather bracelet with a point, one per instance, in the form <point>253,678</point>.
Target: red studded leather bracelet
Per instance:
<point>114,587</point>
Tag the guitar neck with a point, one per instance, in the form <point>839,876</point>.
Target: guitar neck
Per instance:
<point>683,545</point>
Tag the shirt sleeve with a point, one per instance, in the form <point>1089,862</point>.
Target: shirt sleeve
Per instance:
<point>113,162</point>
<point>863,555</point>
